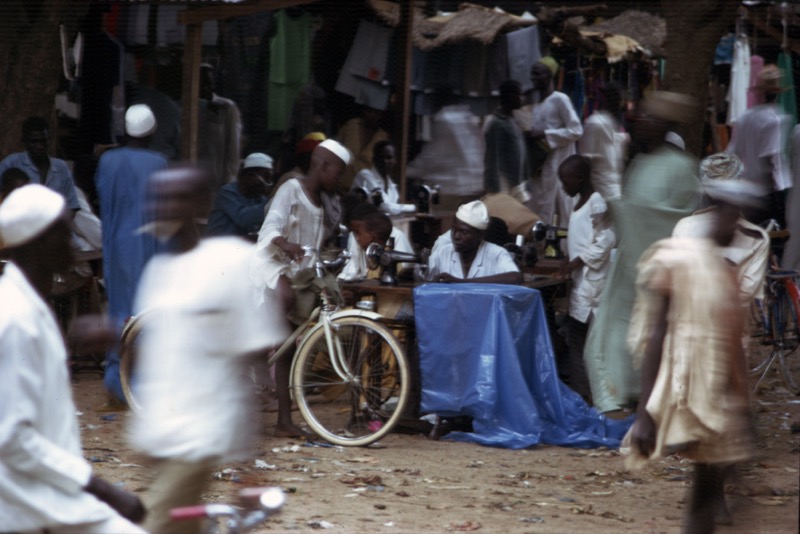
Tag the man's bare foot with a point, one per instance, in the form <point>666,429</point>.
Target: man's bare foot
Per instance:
<point>293,431</point>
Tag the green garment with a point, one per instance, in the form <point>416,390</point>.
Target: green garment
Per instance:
<point>660,189</point>
<point>787,99</point>
<point>289,65</point>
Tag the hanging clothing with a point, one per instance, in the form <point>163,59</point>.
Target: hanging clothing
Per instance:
<point>786,99</point>
<point>740,80</point>
<point>755,97</point>
<point>365,68</point>
<point>523,53</point>
<point>289,65</point>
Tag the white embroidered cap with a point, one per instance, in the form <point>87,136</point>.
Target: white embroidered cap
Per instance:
<point>140,121</point>
<point>27,212</point>
<point>474,214</point>
<point>337,148</point>
<point>257,159</point>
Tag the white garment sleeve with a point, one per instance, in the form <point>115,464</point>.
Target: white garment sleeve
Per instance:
<point>276,223</point>
<point>504,263</point>
<point>603,239</point>
<point>572,129</point>
<point>22,447</point>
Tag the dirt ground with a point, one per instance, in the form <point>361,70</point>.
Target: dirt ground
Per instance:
<point>409,483</point>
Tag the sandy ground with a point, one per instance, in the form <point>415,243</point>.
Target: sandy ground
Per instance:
<point>409,483</point>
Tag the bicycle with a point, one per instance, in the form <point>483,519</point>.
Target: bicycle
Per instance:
<point>778,314</point>
<point>259,505</point>
<point>350,377</point>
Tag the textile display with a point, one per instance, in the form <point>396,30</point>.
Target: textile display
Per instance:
<point>289,64</point>
<point>740,80</point>
<point>523,52</point>
<point>496,364</point>
<point>787,98</point>
<point>365,67</point>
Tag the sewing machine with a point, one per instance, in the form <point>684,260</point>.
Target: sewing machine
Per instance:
<point>425,196</point>
<point>552,236</point>
<point>388,258</point>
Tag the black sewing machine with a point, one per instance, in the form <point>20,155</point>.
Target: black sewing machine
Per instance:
<point>425,196</point>
<point>387,259</point>
<point>552,236</point>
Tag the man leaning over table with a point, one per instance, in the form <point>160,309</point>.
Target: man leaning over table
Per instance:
<point>466,257</point>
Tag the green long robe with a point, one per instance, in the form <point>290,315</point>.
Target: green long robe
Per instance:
<point>659,189</point>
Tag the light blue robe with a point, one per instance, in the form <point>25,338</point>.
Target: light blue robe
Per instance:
<point>121,178</point>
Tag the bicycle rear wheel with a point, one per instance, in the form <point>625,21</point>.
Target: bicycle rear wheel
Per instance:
<point>128,358</point>
<point>785,334</point>
<point>361,408</point>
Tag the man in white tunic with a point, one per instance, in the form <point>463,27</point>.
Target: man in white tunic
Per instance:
<point>467,257</point>
<point>378,179</point>
<point>555,122</point>
<point>45,483</point>
<point>200,333</point>
<point>604,143</point>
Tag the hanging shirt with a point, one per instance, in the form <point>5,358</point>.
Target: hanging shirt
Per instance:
<point>740,80</point>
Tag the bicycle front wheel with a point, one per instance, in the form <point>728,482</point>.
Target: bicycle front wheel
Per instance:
<point>361,401</point>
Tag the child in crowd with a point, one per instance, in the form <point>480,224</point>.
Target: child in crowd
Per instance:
<point>589,245</point>
<point>368,225</point>
<point>298,216</point>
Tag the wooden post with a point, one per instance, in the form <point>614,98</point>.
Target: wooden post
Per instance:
<point>191,91</point>
<point>405,31</point>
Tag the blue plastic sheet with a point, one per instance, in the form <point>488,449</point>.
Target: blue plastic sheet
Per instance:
<point>485,352</point>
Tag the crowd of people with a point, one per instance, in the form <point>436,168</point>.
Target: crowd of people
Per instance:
<point>663,253</point>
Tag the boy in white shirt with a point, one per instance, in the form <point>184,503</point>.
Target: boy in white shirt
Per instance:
<point>589,245</point>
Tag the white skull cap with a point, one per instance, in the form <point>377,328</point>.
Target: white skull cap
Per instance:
<point>474,214</point>
<point>257,159</point>
<point>140,121</point>
<point>337,148</point>
<point>27,212</point>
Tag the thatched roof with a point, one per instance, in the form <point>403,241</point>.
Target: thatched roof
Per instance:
<point>469,22</point>
<point>649,31</point>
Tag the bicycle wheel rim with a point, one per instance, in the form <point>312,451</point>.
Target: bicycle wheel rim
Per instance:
<point>787,329</point>
<point>127,361</point>
<point>363,409</point>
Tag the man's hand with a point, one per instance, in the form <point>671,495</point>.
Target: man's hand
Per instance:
<point>446,278</point>
<point>126,504</point>
<point>293,250</point>
<point>535,133</point>
<point>643,434</point>
<point>567,268</point>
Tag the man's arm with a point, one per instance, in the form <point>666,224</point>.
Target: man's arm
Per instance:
<point>247,218</point>
<point>571,130</point>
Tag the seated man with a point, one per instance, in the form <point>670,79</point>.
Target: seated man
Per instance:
<point>467,257</point>
<point>240,206</point>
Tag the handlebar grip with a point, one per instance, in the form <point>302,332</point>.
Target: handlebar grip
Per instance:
<point>185,513</point>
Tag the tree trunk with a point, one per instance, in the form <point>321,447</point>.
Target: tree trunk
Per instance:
<point>30,61</point>
<point>694,27</point>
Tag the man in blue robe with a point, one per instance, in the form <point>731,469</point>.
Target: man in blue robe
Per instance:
<point>121,177</point>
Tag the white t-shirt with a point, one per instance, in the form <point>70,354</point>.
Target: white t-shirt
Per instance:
<point>758,141</point>
<point>370,179</point>
<point>490,260</point>
<point>592,239</point>
<point>191,376</point>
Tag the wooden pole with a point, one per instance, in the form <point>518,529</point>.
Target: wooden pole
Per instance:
<point>405,28</point>
<point>191,91</point>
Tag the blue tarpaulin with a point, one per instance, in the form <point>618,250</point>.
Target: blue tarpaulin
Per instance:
<point>485,352</point>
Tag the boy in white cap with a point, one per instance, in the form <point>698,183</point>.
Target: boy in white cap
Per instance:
<point>45,483</point>
<point>120,178</point>
<point>299,215</point>
<point>239,207</point>
<point>467,257</point>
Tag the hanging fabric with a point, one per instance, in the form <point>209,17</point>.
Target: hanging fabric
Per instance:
<point>290,65</point>
<point>523,52</point>
<point>787,99</point>
<point>364,70</point>
<point>754,97</point>
<point>740,80</point>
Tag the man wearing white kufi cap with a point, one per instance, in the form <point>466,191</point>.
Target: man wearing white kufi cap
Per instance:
<point>45,483</point>
<point>303,212</point>
<point>467,257</point>
<point>749,251</point>
<point>120,178</point>
<point>240,206</point>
